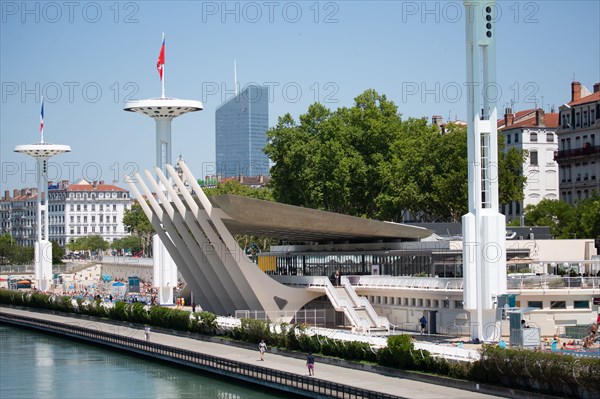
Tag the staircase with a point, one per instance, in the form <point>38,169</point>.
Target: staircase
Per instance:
<point>358,310</point>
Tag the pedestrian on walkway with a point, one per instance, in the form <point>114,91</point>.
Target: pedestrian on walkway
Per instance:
<point>310,363</point>
<point>262,347</point>
<point>423,322</point>
<point>147,333</point>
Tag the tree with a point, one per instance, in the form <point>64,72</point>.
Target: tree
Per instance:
<point>132,243</point>
<point>11,253</point>
<point>553,213</point>
<point>58,253</point>
<point>137,223</point>
<point>251,244</point>
<point>236,188</point>
<point>367,161</point>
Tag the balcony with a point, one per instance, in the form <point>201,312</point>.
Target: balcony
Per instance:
<point>586,150</point>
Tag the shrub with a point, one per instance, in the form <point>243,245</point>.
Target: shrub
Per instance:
<point>118,311</point>
<point>138,314</point>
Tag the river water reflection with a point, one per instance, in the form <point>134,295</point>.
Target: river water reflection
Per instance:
<point>35,365</point>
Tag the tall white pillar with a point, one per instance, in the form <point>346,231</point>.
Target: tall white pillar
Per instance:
<point>42,152</point>
<point>163,111</point>
<point>484,227</point>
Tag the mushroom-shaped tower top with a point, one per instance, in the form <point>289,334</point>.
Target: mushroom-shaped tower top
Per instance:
<point>163,107</point>
<point>42,150</point>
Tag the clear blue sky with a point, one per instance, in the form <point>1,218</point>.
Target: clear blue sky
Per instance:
<point>90,57</point>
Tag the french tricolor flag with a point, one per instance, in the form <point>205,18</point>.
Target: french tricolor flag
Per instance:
<point>42,120</point>
<point>161,59</point>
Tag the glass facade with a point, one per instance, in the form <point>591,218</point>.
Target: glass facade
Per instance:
<point>407,263</point>
<point>241,134</point>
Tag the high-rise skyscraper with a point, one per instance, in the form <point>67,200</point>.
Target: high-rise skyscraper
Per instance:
<point>241,134</point>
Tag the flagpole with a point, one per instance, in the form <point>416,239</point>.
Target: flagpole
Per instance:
<point>163,71</point>
<point>42,121</point>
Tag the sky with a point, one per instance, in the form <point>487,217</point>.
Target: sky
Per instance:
<point>88,58</point>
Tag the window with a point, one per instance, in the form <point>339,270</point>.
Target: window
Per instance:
<point>558,305</point>
<point>533,158</point>
<point>508,139</point>
<point>114,207</point>
<point>533,137</point>
<point>550,137</point>
<point>446,304</point>
<point>581,304</point>
<point>458,304</point>
<point>78,207</point>
<point>516,137</point>
<point>535,304</point>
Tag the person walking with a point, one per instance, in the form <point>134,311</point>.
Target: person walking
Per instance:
<point>147,333</point>
<point>262,347</point>
<point>310,363</point>
<point>423,322</point>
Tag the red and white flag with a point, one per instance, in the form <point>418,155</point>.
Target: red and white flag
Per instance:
<point>42,120</point>
<point>161,59</point>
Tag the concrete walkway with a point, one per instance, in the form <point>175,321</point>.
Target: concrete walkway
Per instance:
<point>367,380</point>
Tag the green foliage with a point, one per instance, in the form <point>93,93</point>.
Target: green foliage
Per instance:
<point>252,330</point>
<point>12,253</point>
<point>89,243</point>
<point>58,253</point>
<point>547,372</point>
<point>367,161</point>
<point>118,311</point>
<point>564,220</point>
<point>208,323</point>
<point>130,243</point>
<point>398,352</point>
<point>170,318</point>
<point>138,314</point>
<point>236,188</point>
<point>137,223</point>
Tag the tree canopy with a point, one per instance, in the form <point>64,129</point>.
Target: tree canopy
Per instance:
<point>367,161</point>
<point>137,223</point>
<point>567,221</point>
<point>88,243</point>
<point>11,253</point>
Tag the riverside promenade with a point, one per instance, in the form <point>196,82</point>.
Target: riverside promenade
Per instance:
<point>370,383</point>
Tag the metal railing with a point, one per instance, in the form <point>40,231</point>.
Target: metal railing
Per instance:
<point>313,317</point>
<point>552,283</point>
<point>422,283</point>
<point>309,386</point>
<point>340,303</point>
<point>379,321</point>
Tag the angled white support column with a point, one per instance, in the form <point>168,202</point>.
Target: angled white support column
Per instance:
<point>190,251</point>
<point>221,276</point>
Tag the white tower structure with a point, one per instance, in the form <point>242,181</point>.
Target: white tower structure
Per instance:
<point>163,110</point>
<point>42,152</point>
<point>484,227</point>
